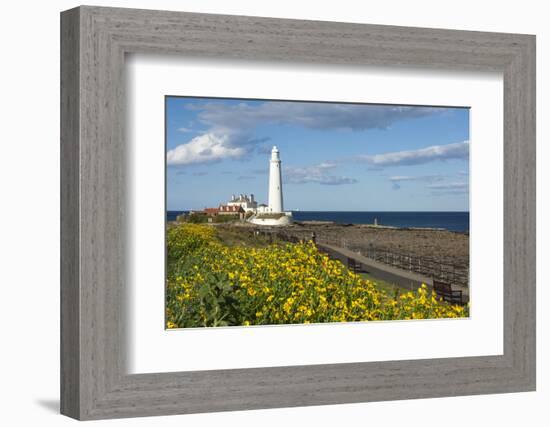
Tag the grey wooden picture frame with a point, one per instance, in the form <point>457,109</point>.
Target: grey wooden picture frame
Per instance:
<point>94,42</point>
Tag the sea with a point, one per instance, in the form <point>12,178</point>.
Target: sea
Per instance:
<point>452,221</point>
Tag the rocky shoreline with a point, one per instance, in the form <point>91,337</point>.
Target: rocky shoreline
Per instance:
<point>446,246</point>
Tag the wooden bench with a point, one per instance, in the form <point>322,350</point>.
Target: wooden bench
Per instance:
<point>354,265</point>
<point>323,250</point>
<point>445,291</point>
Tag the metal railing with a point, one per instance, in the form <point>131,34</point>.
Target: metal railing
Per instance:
<point>437,268</point>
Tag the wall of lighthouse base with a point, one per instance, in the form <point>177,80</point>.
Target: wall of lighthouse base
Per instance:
<point>285,219</point>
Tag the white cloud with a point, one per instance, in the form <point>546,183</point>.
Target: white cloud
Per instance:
<point>450,186</point>
<point>396,180</point>
<point>312,115</point>
<point>435,185</point>
<point>230,127</point>
<point>458,150</point>
<point>425,178</point>
<point>204,149</point>
<point>449,189</point>
<point>318,174</point>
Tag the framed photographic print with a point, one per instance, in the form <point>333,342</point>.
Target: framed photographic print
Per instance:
<point>244,262</point>
<point>346,212</point>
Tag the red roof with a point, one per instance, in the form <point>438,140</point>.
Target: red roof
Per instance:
<point>211,210</point>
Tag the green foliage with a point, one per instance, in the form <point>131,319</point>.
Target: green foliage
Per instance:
<point>197,218</point>
<point>220,219</point>
<point>211,284</point>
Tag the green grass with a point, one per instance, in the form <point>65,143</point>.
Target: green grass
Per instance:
<point>204,219</point>
<point>389,288</point>
<point>236,236</point>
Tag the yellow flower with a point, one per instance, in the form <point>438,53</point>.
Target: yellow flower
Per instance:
<point>280,283</point>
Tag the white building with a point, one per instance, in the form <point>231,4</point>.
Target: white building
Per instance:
<point>244,201</point>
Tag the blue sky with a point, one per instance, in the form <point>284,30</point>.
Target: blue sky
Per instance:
<point>335,157</point>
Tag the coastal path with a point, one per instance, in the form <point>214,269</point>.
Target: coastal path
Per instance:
<point>404,279</point>
<point>394,269</point>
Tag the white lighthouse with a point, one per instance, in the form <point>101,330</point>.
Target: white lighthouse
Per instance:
<point>273,214</point>
<point>275,183</point>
